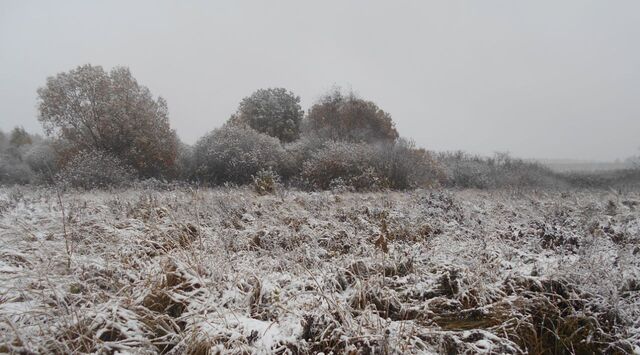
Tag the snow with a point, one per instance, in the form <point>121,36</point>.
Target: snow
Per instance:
<point>225,269</point>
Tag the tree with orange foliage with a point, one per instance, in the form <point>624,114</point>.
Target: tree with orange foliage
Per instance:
<point>91,109</point>
<point>347,117</point>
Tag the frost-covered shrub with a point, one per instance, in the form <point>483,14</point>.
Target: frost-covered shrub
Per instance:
<point>370,179</point>
<point>619,179</point>
<point>346,117</point>
<point>42,159</point>
<point>362,166</point>
<point>501,171</point>
<point>275,112</point>
<point>339,185</point>
<point>406,166</point>
<point>465,170</point>
<point>15,148</point>
<point>517,173</point>
<point>14,171</point>
<point>300,151</point>
<point>95,169</point>
<point>20,137</point>
<point>266,182</point>
<point>350,162</point>
<point>235,154</point>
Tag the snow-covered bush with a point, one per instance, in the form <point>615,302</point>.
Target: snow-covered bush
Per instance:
<point>347,117</point>
<point>299,151</point>
<point>619,179</point>
<point>17,153</point>
<point>235,154</point>
<point>406,166</point>
<point>14,171</point>
<point>464,170</point>
<point>275,112</point>
<point>266,181</point>
<point>42,159</point>
<point>517,173</point>
<point>364,166</point>
<point>352,163</point>
<point>501,171</point>
<point>95,169</point>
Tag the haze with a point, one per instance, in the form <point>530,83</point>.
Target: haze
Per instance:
<point>541,79</point>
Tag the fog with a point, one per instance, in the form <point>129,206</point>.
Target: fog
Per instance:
<point>541,79</point>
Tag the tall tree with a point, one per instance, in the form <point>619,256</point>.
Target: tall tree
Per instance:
<point>92,109</point>
<point>275,112</point>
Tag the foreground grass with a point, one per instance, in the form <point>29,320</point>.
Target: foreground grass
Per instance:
<point>226,270</point>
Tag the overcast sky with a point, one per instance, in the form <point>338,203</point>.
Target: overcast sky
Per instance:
<point>539,79</point>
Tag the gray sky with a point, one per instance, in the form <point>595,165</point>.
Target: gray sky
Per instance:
<point>540,79</point>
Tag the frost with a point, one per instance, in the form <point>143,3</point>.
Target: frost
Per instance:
<point>230,270</point>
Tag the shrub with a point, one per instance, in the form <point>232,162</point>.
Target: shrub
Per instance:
<point>341,160</point>
<point>465,170</point>
<point>362,166</point>
<point>517,173</point>
<point>14,171</point>
<point>235,154</point>
<point>20,161</point>
<point>42,160</point>
<point>95,169</point>
<point>501,171</point>
<point>406,166</point>
<point>20,137</point>
<point>300,151</point>
<point>620,179</point>
<point>266,182</point>
<point>347,117</point>
<point>275,112</point>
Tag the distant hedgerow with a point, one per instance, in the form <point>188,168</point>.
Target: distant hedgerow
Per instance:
<point>501,171</point>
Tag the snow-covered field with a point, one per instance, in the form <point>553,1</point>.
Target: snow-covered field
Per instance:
<point>225,270</point>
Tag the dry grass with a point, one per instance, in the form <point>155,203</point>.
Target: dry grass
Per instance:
<point>232,271</point>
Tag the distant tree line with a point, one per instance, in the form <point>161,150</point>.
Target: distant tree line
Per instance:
<point>105,129</point>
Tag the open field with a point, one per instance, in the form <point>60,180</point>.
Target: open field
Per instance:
<point>226,270</point>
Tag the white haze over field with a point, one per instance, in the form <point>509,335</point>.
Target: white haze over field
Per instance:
<point>540,79</point>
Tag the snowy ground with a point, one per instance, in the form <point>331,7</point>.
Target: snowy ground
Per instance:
<point>226,270</point>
